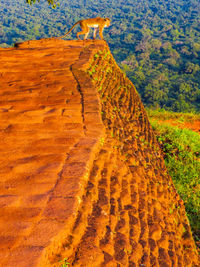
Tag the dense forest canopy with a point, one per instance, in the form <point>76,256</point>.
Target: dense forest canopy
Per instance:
<point>156,42</point>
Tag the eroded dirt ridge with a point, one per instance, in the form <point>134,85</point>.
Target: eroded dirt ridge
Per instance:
<point>82,176</point>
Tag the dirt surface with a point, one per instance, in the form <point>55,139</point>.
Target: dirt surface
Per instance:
<point>82,176</point>
<point>194,126</point>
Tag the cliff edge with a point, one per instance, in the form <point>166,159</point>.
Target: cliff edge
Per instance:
<point>82,175</point>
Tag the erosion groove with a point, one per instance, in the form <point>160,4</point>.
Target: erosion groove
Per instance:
<point>83,177</point>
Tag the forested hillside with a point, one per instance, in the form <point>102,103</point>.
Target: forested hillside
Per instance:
<point>156,42</point>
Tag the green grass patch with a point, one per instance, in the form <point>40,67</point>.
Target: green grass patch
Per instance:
<point>181,148</point>
<point>64,263</point>
<point>163,115</point>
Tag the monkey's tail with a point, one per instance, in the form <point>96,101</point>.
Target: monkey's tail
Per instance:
<point>69,30</point>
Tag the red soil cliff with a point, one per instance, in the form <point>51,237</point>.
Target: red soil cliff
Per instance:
<point>82,176</point>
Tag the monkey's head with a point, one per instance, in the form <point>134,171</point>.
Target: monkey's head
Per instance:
<point>107,22</point>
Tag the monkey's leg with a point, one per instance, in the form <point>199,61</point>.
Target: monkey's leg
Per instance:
<point>85,30</point>
<point>86,34</point>
<point>101,33</point>
<point>80,33</point>
<point>77,35</point>
<point>95,33</point>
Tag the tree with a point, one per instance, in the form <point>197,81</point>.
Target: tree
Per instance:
<point>51,2</point>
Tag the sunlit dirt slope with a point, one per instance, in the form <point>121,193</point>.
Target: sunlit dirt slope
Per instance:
<point>82,176</point>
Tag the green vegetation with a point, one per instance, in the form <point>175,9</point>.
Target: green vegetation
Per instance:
<point>157,43</point>
<point>64,263</point>
<point>181,148</point>
<point>50,2</point>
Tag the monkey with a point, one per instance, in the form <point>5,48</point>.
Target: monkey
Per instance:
<point>86,24</point>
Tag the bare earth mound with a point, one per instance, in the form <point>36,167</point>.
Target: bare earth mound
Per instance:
<point>82,176</point>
